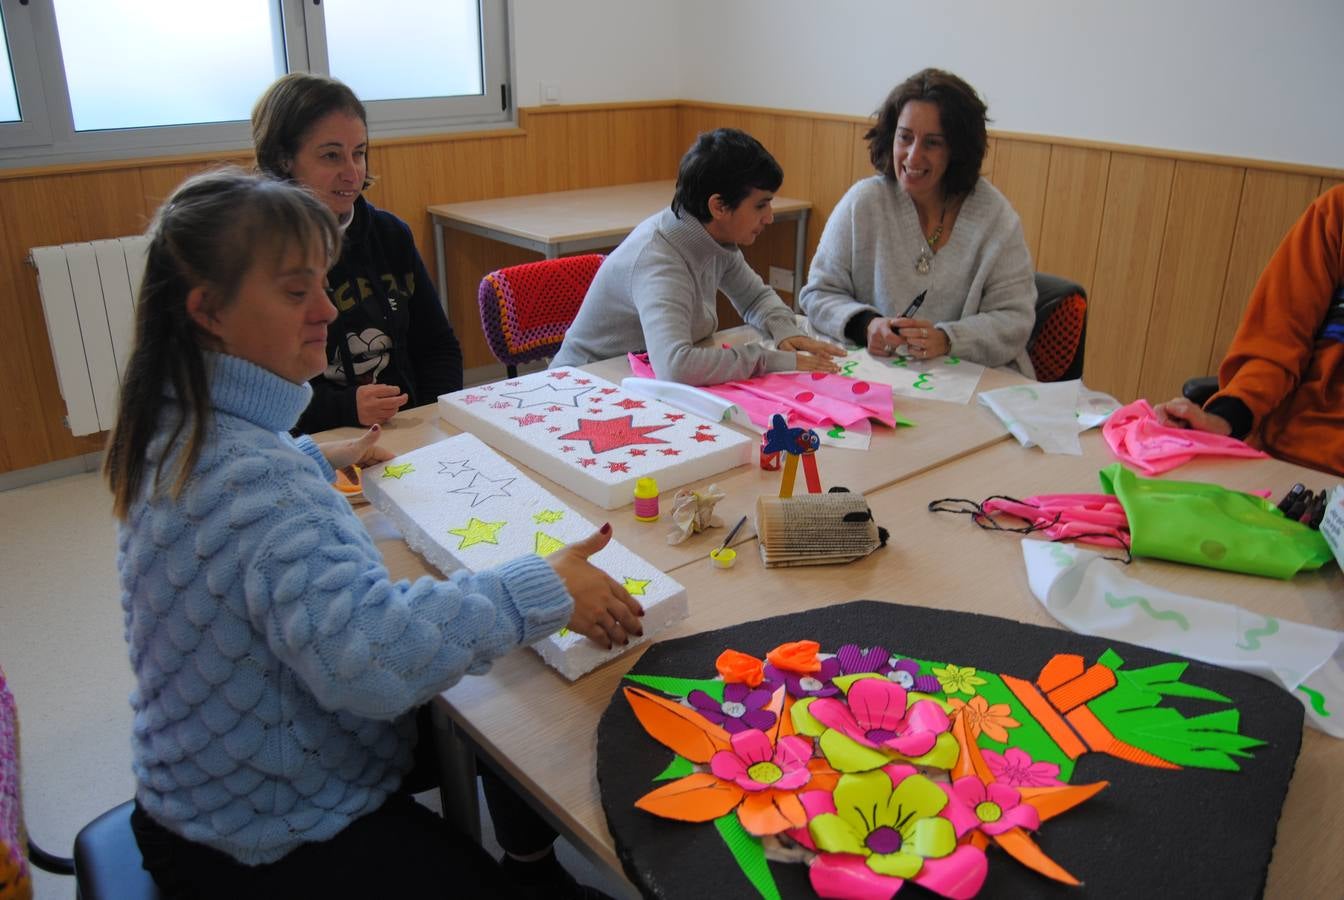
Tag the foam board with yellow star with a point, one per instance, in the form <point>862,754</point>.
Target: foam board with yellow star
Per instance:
<point>594,438</point>
<point>460,504</point>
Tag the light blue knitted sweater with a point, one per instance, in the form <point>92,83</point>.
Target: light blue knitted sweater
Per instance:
<point>275,659</point>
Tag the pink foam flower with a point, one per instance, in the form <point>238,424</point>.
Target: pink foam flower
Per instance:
<point>876,716</point>
<point>992,808</point>
<point>1015,767</point>
<point>755,765</point>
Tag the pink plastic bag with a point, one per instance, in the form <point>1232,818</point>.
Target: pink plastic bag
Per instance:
<point>1089,518</point>
<point>1139,440</point>
<point>806,399</point>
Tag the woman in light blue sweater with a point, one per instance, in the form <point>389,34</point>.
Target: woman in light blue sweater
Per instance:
<point>275,659</point>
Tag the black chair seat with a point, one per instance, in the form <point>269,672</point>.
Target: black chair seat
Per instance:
<point>107,859</point>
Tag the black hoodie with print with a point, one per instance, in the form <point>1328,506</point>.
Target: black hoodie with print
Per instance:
<point>389,328</point>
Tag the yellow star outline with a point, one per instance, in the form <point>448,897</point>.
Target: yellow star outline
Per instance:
<point>546,516</point>
<point>477,532</point>
<point>636,586</point>
<point>398,470</point>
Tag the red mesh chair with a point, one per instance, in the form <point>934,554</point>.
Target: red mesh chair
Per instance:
<point>1060,335</point>
<point>526,309</point>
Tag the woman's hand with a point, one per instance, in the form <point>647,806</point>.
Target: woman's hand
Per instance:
<point>882,337</point>
<point>604,612</point>
<point>1181,413</point>
<point>361,451</point>
<point>376,404</point>
<point>813,355</point>
<point>924,340</point>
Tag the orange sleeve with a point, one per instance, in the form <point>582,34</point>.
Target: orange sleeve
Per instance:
<point>1272,346</point>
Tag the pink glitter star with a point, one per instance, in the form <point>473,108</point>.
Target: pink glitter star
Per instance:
<point>637,452</point>
<point>611,434</point>
<point>529,419</point>
<point>618,467</point>
<point>583,381</point>
<point>669,451</point>
<point>629,404</point>
<point>552,429</point>
<point>566,449</point>
<point>554,408</point>
<point>609,390</point>
<point>472,398</point>
<point>501,404</point>
<point>559,375</point>
<point>587,462</point>
<point>674,417</point>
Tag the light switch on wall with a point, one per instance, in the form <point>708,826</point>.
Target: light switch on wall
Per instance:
<point>550,92</point>
<point>781,279</point>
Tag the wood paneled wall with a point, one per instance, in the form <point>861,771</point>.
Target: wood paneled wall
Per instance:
<point>1168,244</point>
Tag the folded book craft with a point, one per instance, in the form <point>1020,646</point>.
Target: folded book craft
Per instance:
<point>851,750</point>
<point>459,504</point>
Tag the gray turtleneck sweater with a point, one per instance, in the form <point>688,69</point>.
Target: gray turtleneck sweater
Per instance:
<point>981,286</point>
<point>656,292</point>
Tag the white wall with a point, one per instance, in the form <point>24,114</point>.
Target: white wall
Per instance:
<point>1249,78</point>
<point>597,51</point>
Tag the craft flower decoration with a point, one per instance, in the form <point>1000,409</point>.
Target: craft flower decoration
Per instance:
<point>958,679</point>
<point>992,808</point>
<point>877,724</point>
<point>742,707</point>
<point>813,684</point>
<point>845,788</point>
<point>749,774</point>
<point>1015,767</point>
<point>878,829</point>
<point>982,717</point>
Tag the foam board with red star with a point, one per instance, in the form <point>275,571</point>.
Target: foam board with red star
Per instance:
<point>592,436</point>
<point>459,504</point>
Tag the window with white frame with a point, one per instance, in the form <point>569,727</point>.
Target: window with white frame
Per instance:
<point>90,79</point>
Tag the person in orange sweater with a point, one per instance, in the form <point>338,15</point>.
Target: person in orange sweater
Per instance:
<point>1281,385</point>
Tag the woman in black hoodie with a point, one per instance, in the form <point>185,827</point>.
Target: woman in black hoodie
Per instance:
<point>391,346</point>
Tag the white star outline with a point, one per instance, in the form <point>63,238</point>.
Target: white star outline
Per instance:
<point>547,393</point>
<point>454,468</point>
<point>489,489</point>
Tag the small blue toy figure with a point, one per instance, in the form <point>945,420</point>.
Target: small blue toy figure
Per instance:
<point>794,442</point>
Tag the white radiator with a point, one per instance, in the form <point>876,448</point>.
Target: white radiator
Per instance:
<point>88,298</point>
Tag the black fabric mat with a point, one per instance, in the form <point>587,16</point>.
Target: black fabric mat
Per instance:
<point>1152,833</point>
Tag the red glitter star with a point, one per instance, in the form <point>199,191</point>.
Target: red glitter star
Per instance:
<point>587,462</point>
<point>595,412</point>
<point>611,434</point>
<point>703,436</point>
<point>559,375</point>
<point>618,467</point>
<point>609,390</point>
<point>703,427</point>
<point>674,417</point>
<point>566,449</point>
<point>627,403</point>
<point>529,419</point>
<point>552,429</point>
<point>637,452</point>
<point>670,452</point>
<point>554,408</point>
<point>501,404</point>
<point>583,381</point>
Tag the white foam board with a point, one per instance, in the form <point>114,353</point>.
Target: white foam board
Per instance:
<point>459,504</point>
<point>594,437</point>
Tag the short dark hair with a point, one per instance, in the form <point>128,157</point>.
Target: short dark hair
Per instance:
<point>288,110</point>
<point>963,118</point>
<point>726,162</point>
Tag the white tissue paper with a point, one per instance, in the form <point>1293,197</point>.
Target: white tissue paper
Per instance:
<point>1050,415</point>
<point>1090,595</point>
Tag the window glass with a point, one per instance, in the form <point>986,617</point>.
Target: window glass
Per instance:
<point>407,49</point>
<point>167,62</point>
<point>9,98</point>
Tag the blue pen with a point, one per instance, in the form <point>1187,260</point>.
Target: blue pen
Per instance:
<point>914,306</point>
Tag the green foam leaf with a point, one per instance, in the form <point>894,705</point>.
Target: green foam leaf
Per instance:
<point>750,855</point>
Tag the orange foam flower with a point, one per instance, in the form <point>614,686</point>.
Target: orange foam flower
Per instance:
<point>993,721</point>
<point>796,656</point>
<point>736,666</point>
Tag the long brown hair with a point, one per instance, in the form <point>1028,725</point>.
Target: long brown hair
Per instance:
<point>209,233</point>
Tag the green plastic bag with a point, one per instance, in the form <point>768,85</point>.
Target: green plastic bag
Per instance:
<point>1208,525</point>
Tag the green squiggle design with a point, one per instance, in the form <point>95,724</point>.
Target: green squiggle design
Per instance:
<point>1061,557</point>
<point>1317,701</point>
<point>1253,635</point>
<point>1160,614</point>
<point>847,369</point>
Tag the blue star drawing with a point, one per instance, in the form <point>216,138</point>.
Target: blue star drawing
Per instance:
<point>484,488</point>
<point>548,393</point>
<point>455,467</point>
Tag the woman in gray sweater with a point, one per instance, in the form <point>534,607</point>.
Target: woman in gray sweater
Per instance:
<point>657,290</point>
<point>926,258</point>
